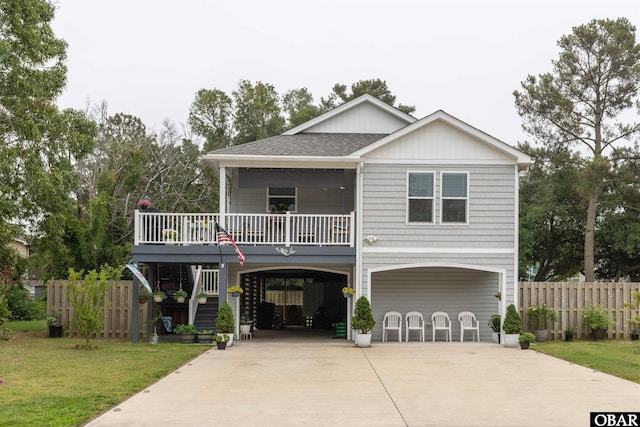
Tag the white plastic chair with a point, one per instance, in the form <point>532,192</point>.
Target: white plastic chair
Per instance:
<point>414,322</point>
<point>392,322</point>
<point>440,322</point>
<point>468,322</point>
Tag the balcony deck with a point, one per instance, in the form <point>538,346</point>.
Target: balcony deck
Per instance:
<point>246,229</point>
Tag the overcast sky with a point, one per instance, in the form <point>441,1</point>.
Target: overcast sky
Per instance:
<point>148,58</point>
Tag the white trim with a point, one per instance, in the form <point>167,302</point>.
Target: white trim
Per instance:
<point>437,264</point>
<point>518,156</point>
<point>347,106</point>
<point>359,228</point>
<point>437,162</point>
<point>516,240</point>
<point>433,198</point>
<point>466,214</point>
<point>434,250</point>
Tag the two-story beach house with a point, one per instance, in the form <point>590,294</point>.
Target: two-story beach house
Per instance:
<point>417,215</point>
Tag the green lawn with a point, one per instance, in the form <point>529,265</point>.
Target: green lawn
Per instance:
<point>48,382</point>
<point>620,358</point>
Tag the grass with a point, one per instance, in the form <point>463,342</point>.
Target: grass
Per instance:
<point>620,358</point>
<point>49,382</point>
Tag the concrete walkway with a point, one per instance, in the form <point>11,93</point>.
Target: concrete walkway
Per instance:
<point>329,382</point>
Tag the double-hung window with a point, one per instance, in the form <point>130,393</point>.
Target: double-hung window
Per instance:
<point>420,197</point>
<point>455,197</point>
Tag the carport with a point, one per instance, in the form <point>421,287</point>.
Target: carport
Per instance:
<point>431,287</point>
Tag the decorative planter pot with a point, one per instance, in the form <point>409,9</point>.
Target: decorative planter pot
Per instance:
<point>245,329</point>
<point>202,300</point>
<point>511,340</point>
<point>568,337</point>
<point>524,345</point>
<point>187,338</point>
<point>154,339</point>
<point>235,294</point>
<point>180,299</point>
<point>221,345</point>
<point>157,298</point>
<point>363,340</point>
<point>55,331</point>
<point>598,334</point>
<point>205,338</point>
<point>541,335</point>
<point>143,300</point>
<point>635,337</point>
<point>230,342</point>
<point>346,295</point>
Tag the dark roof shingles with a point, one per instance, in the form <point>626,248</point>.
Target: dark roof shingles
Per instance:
<point>304,144</point>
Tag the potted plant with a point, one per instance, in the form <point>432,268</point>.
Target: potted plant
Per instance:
<point>348,292</point>
<point>569,333</point>
<point>525,339</point>
<point>54,320</point>
<point>159,296</point>
<point>494,324</point>
<point>598,320</point>
<point>235,291</point>
<point>143,296</point>
<point>512,326</point>
<point>205,336</point>
<point>362,322</point>
<point>225,323</point>
<point>187,333</point>
<point>202,297</point>
<point>180,295</point>
<point>539,316</point>
<point>222,341</point>
<point>634,321</point>
<point>170,235</point>
<point>245,323</point>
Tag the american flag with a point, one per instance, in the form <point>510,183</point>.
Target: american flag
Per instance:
<point>224,238</point>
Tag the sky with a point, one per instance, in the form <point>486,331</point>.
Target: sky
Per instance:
<point>148,58</point>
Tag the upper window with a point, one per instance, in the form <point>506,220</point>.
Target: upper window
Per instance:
<point>420,194</point>
<point>281,199</point>
<point>454,197</point>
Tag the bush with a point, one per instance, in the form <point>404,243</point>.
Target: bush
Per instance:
<point>225,323</point>
<point>512,321</point>
<point>527,337</point>
<point>597,317</point>
<point>21,307</point>
<point>539,315</point>
<point>494,323</point>
<point>185,329</point>
<point>362,316</point>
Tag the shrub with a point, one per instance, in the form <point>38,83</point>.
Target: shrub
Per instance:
<point>362,316</point>
<point>494,323</point>
<point>185,329</point>
<point>527,337</point>
<point>225,322</point>
<point>597,317</point>
<point>539,315</point>
<point>512,321</point>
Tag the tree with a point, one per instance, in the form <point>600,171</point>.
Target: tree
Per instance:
<point>583,102</point>
<point>298,104</point>
<point>210,117</point>
<point>87,293</point>
<point>375,87</point>
<point>39,143</point>
<point>551,216</point>
<point>257,113</point>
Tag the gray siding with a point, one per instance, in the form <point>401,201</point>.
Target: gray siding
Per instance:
<point>435,289</point>
<point>491,208</point>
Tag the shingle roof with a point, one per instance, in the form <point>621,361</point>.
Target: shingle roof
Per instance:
<point>304,144</point>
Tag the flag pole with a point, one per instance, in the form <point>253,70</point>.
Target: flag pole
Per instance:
<point>218,243</point>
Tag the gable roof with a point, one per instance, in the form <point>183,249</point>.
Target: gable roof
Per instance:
<point>366,98</point>
<point>296,144</point>
<point>522,159</point>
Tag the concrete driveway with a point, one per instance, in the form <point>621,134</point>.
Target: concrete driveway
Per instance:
<point>329,382</point>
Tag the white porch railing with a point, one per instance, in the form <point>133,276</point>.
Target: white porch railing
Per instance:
<point>246,229</point>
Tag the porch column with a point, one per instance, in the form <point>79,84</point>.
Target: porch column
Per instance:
<point>222,284</point>
<point>222,199</point>
<point>135,310</point>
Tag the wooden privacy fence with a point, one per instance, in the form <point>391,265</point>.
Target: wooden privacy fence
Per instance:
<point>569,300</point>
<point>117,314</point>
